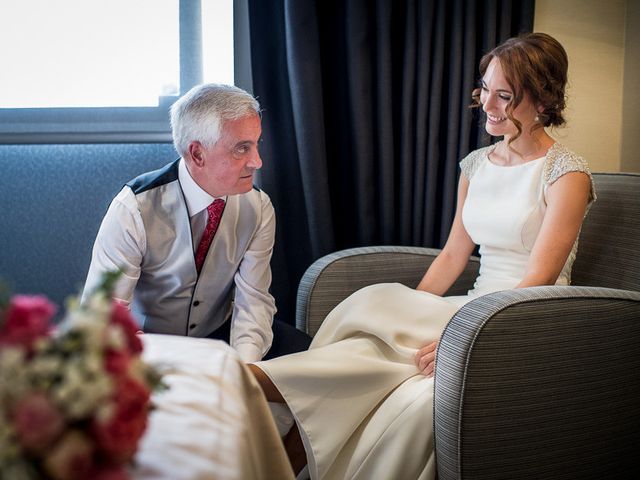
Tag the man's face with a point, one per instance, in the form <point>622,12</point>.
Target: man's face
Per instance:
<point>227,168</point>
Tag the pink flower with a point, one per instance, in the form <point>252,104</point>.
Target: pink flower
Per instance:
<point>27,319</point>
<point>118,436</point>
<point>70,458</point>
<point>98,445</point>
<point>120,315</point>
<point>37,422</point>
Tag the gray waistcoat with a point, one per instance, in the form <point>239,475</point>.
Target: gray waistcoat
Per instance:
<point>170,297</point>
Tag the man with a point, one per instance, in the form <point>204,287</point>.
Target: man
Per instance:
<point>194,239</point>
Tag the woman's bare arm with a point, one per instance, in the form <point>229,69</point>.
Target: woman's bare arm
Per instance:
<point>567,200</point>
<point>453,258</point>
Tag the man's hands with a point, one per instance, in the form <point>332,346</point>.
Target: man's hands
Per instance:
<point>426,359</point>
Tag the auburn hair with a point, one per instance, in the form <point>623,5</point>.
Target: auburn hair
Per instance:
<point>534,64</point>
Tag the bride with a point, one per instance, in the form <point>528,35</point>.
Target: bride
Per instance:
<point>362,395</point>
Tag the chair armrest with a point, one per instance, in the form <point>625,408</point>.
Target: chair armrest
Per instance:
<point>540,382</point>
<point>334,277</point>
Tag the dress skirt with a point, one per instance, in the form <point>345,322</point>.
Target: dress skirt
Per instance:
<point>363,409</point>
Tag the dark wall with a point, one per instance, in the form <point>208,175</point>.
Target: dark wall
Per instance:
<point>52,199</point>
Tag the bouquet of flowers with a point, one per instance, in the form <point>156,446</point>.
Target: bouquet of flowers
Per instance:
<point>74,397</point>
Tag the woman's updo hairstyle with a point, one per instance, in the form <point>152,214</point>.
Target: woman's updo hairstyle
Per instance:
<point>537,64</point>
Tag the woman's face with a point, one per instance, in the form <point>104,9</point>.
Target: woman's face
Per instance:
<point>495,95</point>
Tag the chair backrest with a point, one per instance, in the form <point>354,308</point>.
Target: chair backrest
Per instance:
<point>609,247</point>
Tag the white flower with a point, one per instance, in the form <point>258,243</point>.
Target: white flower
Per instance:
<point>83,386</point>
<point>11,358</point>
<point>116,338</point>
<point>100,306</point>
<point>70,367</point>
<point>43,369</point>
<point>8,445</point>
<point>14,377</point>
<point>91,330</point>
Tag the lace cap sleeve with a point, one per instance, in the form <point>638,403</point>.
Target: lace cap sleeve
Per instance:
<point>470,163</point>
<point>561,160</point>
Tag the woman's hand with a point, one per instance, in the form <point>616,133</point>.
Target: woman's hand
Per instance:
<point>426,359</point>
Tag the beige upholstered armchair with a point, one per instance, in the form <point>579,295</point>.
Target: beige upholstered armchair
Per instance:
<point>535,383</point>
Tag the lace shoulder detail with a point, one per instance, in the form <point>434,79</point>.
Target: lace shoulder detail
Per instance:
<point>471,162</point>
<point>561,160</point>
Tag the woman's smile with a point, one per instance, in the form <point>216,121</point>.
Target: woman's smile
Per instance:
<point>494,119</point>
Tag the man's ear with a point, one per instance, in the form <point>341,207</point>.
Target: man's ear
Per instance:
<point>196,152</point>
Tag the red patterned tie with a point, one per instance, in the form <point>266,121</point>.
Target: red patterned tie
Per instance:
<point>215,213</point>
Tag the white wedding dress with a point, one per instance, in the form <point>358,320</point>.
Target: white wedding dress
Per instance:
<point>363,409</point>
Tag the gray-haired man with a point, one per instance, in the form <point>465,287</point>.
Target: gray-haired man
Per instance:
<point>194,239</point>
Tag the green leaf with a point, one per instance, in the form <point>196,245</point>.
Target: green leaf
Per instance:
<point>108,283</point>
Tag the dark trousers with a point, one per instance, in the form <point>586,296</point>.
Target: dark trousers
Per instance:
<point>286,338</point>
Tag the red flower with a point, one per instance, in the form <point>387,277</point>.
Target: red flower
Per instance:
<point>117,362</point>
<point>37,422</point>
<point>111,472</point>
<point>120,315</point>
<point>27,319</point>
<point>118,436</point>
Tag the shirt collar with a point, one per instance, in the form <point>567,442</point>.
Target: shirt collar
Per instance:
<point>197,199</point>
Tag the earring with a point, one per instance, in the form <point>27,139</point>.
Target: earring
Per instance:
<point>537,119</point>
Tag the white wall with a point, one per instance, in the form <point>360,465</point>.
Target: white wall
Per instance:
<point>630,152</point>
<point>593,33</point>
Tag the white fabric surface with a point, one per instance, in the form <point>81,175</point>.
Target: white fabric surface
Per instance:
<point>363,408</point>
<point>213,422</point>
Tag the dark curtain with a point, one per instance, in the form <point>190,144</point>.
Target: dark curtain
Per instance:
<point>366,118</point>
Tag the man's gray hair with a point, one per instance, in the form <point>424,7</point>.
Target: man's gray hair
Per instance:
<point>201,112</point>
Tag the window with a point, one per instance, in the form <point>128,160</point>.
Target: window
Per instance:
<point>106,70</point>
